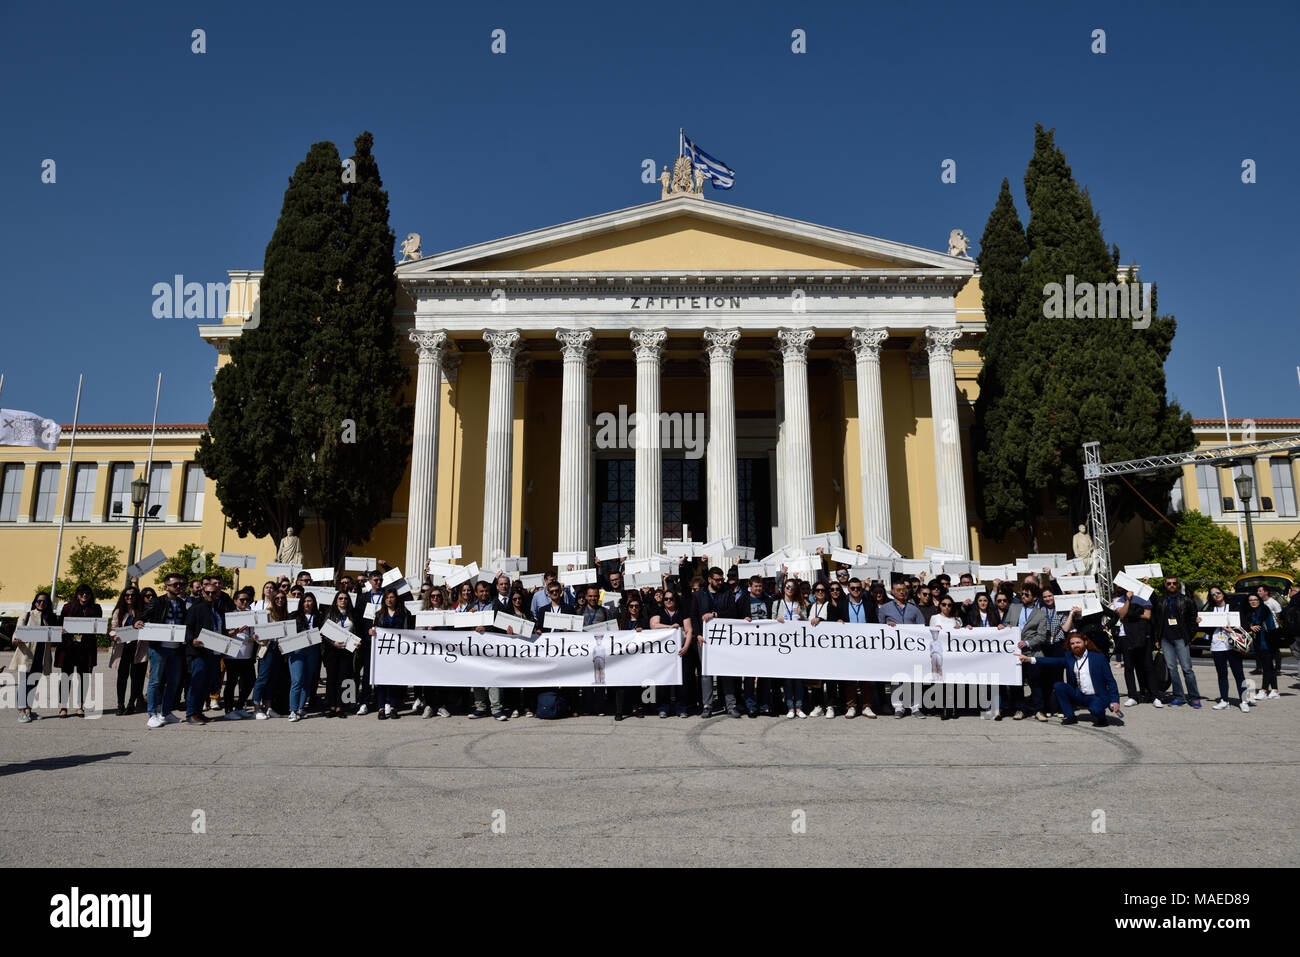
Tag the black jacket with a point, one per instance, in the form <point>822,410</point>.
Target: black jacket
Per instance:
<point>196,619</point>
<point>1182,608</point>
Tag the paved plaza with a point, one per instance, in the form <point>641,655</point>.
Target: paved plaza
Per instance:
<point>1176,787</point>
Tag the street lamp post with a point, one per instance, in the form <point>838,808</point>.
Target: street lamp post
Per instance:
<point>139,492</point>
<point>1245,488</point>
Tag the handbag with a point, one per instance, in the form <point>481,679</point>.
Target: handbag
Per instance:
<point>1239,640</point>
<point>1160,679</point>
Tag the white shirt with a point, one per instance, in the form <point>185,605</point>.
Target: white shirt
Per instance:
<point>942,621</point>
<point>1218,636</point>
<point>1273,606</point>
<point>1084,674</point>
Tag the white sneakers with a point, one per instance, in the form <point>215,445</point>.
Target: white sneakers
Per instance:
<point>442,712</point>
<point>790,713</point>
<point>1244,706</point>
<point>830,711</point>
<point>816,712</point>
<point>1130,703</point>
<point>362,710</point>
<point>260,715</point>
<point>418,706</point>
<point>868,713</point>
<point>1157,702</point>
<point>1223,703</point>
<point>294,716</point>
<point>156,721</point>
<point>1273,694</point>
<point>798,713</point>
<point>272,713</point>
<point>851,713</point>
<point>427,712</point>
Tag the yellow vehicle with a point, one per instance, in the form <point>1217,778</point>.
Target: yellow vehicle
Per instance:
<point>1277,583</point>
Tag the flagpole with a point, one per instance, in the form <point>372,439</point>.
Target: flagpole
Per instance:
<point>1228,437</point>
<point>681,144</point>
<point>63,510</point>
<point>148,469</point>
<point>2,382</point>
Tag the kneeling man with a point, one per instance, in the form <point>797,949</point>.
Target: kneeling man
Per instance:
<point>1089,682</point>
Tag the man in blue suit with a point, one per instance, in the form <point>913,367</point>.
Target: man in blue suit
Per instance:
<point>1088,683</point>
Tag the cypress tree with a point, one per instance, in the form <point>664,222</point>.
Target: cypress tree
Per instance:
<point>258,446</point>
<point>362,427</point>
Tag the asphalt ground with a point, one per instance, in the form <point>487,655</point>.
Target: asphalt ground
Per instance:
<point>1171,787</point>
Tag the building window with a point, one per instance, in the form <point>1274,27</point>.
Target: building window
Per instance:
<point>160,486</point>
<point>616,498</point>
<point>47,491</point>
<point>1283,487</point>
<point>192,509</point>
<point>1207,490</point>
<point>11,489</point>
<point>83,493</point>
<point>1176,503</point>
<point>119,492</point>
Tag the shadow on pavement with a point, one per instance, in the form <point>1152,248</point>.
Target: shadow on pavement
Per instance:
<point>51,764</point>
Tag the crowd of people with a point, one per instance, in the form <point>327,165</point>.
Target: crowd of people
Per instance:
<point>1064,653</point>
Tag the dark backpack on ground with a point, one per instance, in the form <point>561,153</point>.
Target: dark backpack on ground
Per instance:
<point>550,705</point>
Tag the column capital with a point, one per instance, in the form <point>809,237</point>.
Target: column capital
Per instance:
<point>430,345</point>
<point>504,343</point>
<point>939,341</point>
<point>648,344</point>
<point>574,342</point>
<point>866,343</point>
<point>794,343</point>
<point>721,343</point>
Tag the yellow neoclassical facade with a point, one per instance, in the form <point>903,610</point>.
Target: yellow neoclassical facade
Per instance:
<point>794,380</point>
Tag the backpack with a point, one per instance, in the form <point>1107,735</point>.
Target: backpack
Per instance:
<point>1290,619</point>
<point>551,705</point>
<point>1160,680</point>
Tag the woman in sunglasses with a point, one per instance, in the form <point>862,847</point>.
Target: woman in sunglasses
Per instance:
<point>1224,655</point>
<point>77,653</point>
<point>130,656</point>
<point>790,607</point>
<point>517,604</point>
<point>670,615</point>
<point>946,618</point>
<point>632,616</point>
<point>335,655</point>
<point>825,606</point>
<point>29,660</point>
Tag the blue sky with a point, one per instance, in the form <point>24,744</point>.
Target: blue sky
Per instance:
<point>171,162</point>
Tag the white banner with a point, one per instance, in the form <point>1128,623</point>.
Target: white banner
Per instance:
<point>841,651</point>
<point>457,659</point>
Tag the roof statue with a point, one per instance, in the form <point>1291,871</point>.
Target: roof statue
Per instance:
<point>411,248</point>
<point>958,244</point>
<point>685,178</point>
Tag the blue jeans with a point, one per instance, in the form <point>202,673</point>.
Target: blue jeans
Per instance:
<point>1222,661</point>
<point>266,667</point>
<point>164,676</point>
<point>794,693</point>
<point>1179,658</point>
<point>302,669</point>
<point>203,669</point>
<point>1069,697</point>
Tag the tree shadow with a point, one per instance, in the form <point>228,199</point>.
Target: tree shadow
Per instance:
<point>53,764</point>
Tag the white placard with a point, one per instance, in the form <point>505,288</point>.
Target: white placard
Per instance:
<point>1126,582</point>
<point>607,553</point>
<point>40,634</point>
<point>881,547</point>
<point>487,575</point>
<point>285,569</point>
<point>462,573</point>
<point>320,574</point>
<point>745,552</point>
<point>273,630</point>
<point>579,576</point>
<point>324,594</point>
<point>846,556</point>
<point>1144,571</point>
<point>1041,560</point>
<point>636,566</point>
<point>511,563</point>
<point>147,564</point>
<point>1087,604</point>
<point>955,570</point>
<point>643,579</point>
<point>369,610</point>
<point>609,624</point>
<point>245,619</point>
<point>681,550</point>
<point>414,607</point>
<point>292,603</point>
<point>471,619</point>
<point>963,593</point>
<point>748,570</point>
<point>912,566</point>
<point>932,553</point>
<point>1219,619</point>
<point>564,559</point>
<point>444,553</point>
<point>236,560</point>
<point>303,639</point>
<point>808,565</point>
<point>152,632</point>
<point>444,568</point>
<point>532,581</point>
<point>1074,584</point>
<point>521,626</point>
<point>85,626</point>
<point>717,549</point>
<point>555,621</point>
<point>433,618</point>
<point>355,564</point>
<point>392,576</point>
<point>333,631</point>
<point>220,644</point>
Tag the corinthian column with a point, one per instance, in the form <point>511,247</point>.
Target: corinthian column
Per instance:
<point>422,504</point>
<point>575,449</point>
<point>798,498</point>
<point>500,444</point>
<point>648,345</point>
<point>724,519</point>
<point>954,535</point>
<point>866,345</point>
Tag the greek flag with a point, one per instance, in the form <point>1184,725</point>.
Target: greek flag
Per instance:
<point>719,173</point>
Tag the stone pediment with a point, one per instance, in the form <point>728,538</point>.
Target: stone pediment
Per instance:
<point>682,233</point>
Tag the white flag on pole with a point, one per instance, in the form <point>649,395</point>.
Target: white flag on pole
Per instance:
<point>28,428</point>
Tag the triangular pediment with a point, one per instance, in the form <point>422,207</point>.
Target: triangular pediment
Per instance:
<point>682,234</point>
